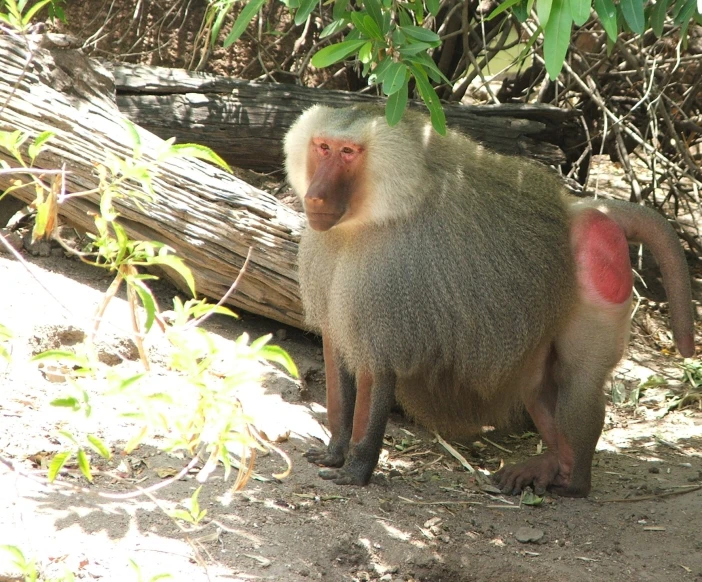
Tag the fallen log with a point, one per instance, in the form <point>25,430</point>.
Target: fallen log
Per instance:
<point>208,216</point>
<point>245,122</point>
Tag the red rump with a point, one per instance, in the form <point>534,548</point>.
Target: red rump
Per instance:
<point>602,253</point>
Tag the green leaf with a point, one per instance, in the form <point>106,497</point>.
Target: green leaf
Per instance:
<point>222,11</point>
<point>678,5</point>
<point>380,70</point>
<point>607,12</point>
<point>279,356</point>
<point>334,26</point>
<point>68,436</point>
<point>422,34</point>
<point>11,141</point>
<point>306,8</point>
<point>531,498</point>
<point>529,43</point>
<point>67,402</point>
<point>120,384</point>
<point>38,144</point>
<point>502,7</point>
<point>177,264</point>
<point>633,11</point>
<point>56,12</point>
<point>194,150</point>
<point>242,22</point>
<point>26,19</point>
<point>429,96</point>
<point>57,355</point>
<point>339,9</point>
<point>405,19</point>
<point>396,104</point>
<point>375,11</point>
<point>415,48</point>
<point>17,556</point>
<point>147,301</point>
<point>136,439</point>
<point>194,505</point>
<point>683,34</point>
<point>429,66</point>
<point>181,514</point>
<point>133,136</point>
<point>365,54</point>
<point>657,18</point>
<point>259,342</point>
<point>57,464</point>
<point>543,10</point>
<point>685,13</point>
<point>432,6</point>
<point>394,78</point>
<point>84,465</point>
<point>557,37</point>
<point>580,11</point>
<point>520,11</point>
<point>366,25</point>
<point>45,215</point>
<point>99,446</point>
<point>336,52</point>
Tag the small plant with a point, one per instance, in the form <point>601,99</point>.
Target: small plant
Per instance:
<point>27,567</point>
<point>620,397</point>
<point>18,14</point>
<point>192,513</point>
<point>692,381</point>
<point>140,577</point>
<point>692,372</point>
<point>198,411</point>
<point>5,337</point>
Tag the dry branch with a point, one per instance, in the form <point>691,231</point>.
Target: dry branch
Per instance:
<point>209,217</point>
<point>244,122</point>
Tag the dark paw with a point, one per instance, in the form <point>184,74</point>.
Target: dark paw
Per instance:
<point>540,473</point>
<point>343,477</point>
<point>324,458</point>
<point>543,473</point>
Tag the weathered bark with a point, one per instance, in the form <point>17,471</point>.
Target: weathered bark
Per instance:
<point>245,122</point>
<point>209,217</point>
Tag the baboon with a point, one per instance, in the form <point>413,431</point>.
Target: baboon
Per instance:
<point>468,286</point>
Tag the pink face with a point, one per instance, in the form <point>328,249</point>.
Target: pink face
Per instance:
<point>335,168</point>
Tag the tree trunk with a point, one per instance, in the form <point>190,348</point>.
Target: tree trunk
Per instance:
<point>245,122</point>
<point>209,217</point>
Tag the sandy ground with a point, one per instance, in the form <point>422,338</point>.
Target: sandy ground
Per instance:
<point>423,517</point>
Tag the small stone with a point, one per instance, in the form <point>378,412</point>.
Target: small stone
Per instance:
<point>432,522</point>
<point>37,248</point>
<point>528,535</point>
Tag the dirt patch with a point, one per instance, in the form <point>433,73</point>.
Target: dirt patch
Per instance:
<point>423,517</point>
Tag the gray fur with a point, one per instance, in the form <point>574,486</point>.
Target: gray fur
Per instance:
<point>459,272</point>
